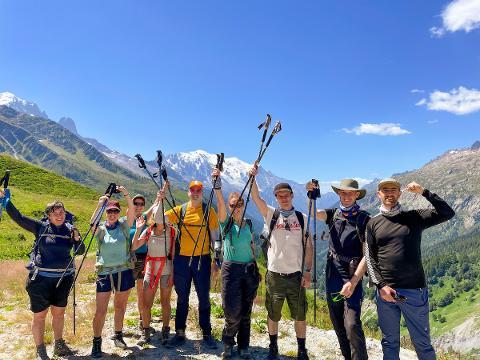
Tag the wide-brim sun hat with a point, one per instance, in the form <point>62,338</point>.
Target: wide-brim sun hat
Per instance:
<point>350,185</point>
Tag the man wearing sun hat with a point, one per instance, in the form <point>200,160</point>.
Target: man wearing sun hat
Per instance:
<point>346,266</point>
<point>394,263</point>
<point>189,221</point>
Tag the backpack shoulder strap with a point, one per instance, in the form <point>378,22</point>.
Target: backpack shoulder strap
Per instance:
<point>360,224</point>
<point>273,222</point>
<point>183,211</point>
<point>249,224</point>
<point>301,220</point>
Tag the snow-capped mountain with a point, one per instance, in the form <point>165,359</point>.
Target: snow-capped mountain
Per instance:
<point>21,105</point>
<point>197,165</point>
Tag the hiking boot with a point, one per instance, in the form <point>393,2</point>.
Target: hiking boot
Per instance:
<point>97,348</point>
<point>164,335</point>
<point>61,349</point>
<point>145,337</point>
<point>118,340</point>
<point>42,353</point>
<point>272,352</point>
<point>177,340</point>
<point>140,327</point>
<point>302,354</point>
<point>227,351</point>
<point>210,342</point>
<point>244,353</point>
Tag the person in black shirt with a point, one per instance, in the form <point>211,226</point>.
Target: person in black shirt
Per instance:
<point>346,267</point>
<point>394,263</point>
<point>54,240</point>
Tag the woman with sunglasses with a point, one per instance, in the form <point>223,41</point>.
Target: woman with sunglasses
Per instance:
<point>114,268</point>
<point>240,277</point>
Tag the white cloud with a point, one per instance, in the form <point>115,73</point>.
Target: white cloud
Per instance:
<point>382,129</point>
<point>416,91</point>
<point>459,101</point>
<point>432,121</point>
<point>459,15</point>
<point>421,102</point>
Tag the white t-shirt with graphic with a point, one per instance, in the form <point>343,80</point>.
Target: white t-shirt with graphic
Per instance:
<point>286,246</point>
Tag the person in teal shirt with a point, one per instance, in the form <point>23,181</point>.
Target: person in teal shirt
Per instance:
<point>240,276</point>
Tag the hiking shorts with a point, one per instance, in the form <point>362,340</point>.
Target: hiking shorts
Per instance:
<point>139,266</point>
<point>43,292</point>
<point>121,281</point>
<point>281,287</point>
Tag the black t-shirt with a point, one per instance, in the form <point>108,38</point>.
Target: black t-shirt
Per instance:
<point>393,250</point>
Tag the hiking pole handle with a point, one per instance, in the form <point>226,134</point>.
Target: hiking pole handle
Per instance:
<point>315,193</point>
<point>159,159</point>
<point>164,175</point>
<point>141,162</point>
<point>5,179</point>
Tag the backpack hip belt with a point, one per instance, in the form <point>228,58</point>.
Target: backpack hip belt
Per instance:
<point>36,269</point>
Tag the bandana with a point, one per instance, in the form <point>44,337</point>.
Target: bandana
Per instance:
<point>287,213</point>
<point>351,210</point>
<point>397,209</point>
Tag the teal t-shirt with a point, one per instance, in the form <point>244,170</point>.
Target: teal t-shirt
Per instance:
<point>142,249</point>
<point>113,247</point>
<point>237,248</point>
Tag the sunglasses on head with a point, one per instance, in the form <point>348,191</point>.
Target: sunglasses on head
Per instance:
<point>400,298</point>
<point>139,203</point>
<point>113,211</point>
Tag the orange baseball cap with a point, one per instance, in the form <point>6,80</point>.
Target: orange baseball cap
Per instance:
<point>195,183</point>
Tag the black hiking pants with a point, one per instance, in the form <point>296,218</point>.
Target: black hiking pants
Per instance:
<point>345,316</point>
<point>239,288</point>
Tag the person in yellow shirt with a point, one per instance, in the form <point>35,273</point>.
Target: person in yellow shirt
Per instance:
<point>193,242</point>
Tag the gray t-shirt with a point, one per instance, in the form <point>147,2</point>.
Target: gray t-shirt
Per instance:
<point>285,251</point>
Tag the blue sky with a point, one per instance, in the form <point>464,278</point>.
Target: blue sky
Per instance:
<point>187,75</point>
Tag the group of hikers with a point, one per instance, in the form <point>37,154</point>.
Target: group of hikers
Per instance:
<point>158,248</point>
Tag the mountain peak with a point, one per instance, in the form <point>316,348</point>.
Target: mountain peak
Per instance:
<point>21,105</point>
<point>475,145</point>
<point>68,124</point>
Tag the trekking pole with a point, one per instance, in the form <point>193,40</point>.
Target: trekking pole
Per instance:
<point>164,175</point>
<point>142,165</point>
<point>304,246</point>
<point>4,181</point>
<point>74,311</point>
<point>93,225</point>
<point>206,215</point>
<point>277,128</point>
<point>315,194</point>
<point>159,162</point>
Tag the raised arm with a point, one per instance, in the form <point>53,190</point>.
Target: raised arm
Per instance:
<point>131,207</point>
<point>222,210</point>
<point>441,211</point>
<point>23,221</point>
<point>96,214</point>
<point>261,204</point>
<point>138,240</point>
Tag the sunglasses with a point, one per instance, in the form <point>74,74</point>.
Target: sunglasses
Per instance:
<point>400,298</point>
<point>113,211</point>
<point>195,191</point>
<point>337,297</point>
<point>139,204</point>
<point>238,204</point>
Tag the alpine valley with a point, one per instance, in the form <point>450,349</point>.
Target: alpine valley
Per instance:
<point>451,251</point>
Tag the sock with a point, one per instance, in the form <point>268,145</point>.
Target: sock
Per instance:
<point>301,343</point>
<point>273,339</point>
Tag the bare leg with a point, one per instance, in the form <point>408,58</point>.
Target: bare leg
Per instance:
<point>165,296</point>
<point>101,306</point>
<point>120,305</point>
<point>38,326</point>
<point>272,327</point>
<point>301,329</point>
<point>148,296</point>
<point>58,321</point>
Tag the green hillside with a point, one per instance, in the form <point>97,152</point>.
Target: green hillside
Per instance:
<point>32,188</point>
